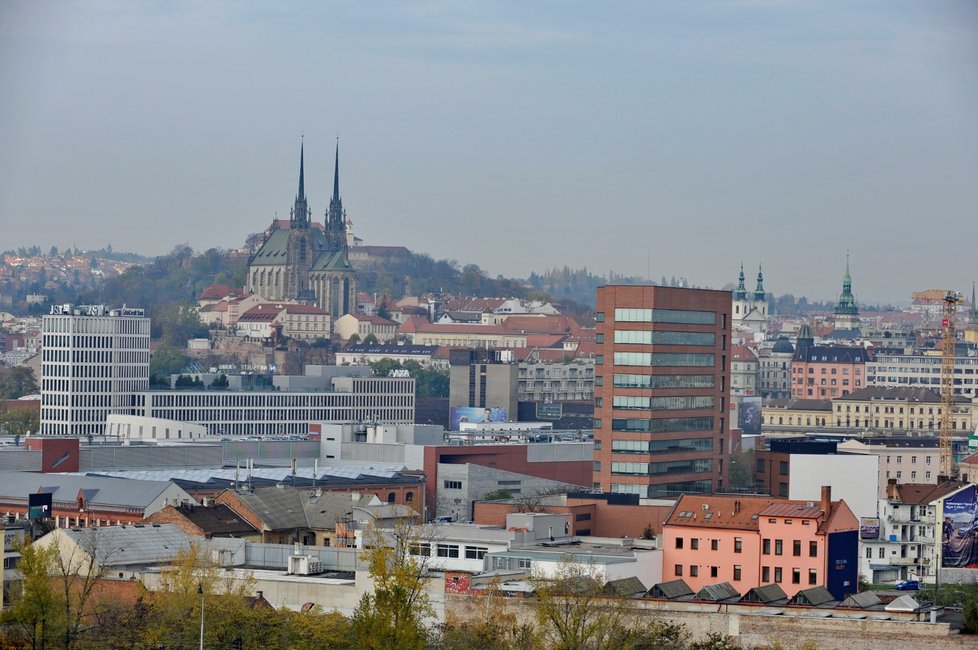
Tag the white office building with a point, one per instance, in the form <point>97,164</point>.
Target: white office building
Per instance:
<point>902,370</point>
<point>95,362</point>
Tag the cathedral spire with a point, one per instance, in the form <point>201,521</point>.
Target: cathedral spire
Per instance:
<point>741,292</point>
<point>336,216</point>
<point>302,170</point>
<point>759,291</point>
<point>300,210</point>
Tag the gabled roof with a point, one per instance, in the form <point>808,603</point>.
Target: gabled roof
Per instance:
<point>743,353</point>
<point>264,313</point>
<point>217,520</point>
<point>720,592</point>
<point>373,319</point>
<point>862,600</point>
<point>769,594</point>
<point>130,545</point>
<point>922,493</point>
<point>814,597</point>
<point>65,488</point>
<point>626,587</point>
<point>214,292</point>
<point>722,512</point>
<point>673,590</point>
<point>905,603</point>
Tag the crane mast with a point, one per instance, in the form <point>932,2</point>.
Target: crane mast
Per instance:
<point>951,300</point>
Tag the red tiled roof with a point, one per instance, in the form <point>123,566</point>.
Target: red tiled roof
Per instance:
<point>793,509</point>
<point>542,324</point>
<point>216,306</point>
<point>743,353</point>
<point>374,320</point>
<point>921,493</point>
<point>725,512</point>
<point>214,292</point>
<point>305,309</point>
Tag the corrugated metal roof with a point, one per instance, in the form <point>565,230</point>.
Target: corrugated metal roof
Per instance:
<point>104,491</point>
<point>130,545</point>
<point>672,590</point>
<point>771,593</point>
<point>718,592</point>
<point>815,597</point>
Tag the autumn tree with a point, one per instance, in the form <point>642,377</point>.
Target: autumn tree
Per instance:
<point>393,616</point>
<point>35,616</point>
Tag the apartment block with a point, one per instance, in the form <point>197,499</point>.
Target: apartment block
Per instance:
<point>662,384</point>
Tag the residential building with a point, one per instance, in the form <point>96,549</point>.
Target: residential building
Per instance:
<point>899,410</point>
<point>207,521</point>
<point>902,545</point>
<point>826,372</point>
<point>461,484</point>
<point>901,459</point>
<point>364,325</point>
<point>662,381</point>
<point>774,372</point>
<point>922,371</point>
<point>460,335</point>
<point>541,381</point>
<point>363,354</point>
<point>304,322</point>
<point>796,415</point>
<point>95,362</point>
<point>754,541</point>
<point>772,463</point>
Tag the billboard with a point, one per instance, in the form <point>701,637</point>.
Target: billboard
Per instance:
<point>39,505</point>
<point>478,414</point>
<point>749,416</point>
<point>959,532</point>
<point>869,528</point>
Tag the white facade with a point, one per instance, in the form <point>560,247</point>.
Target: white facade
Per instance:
<point>852,478</point>
<point>774,374</point>
<point>95,362</point>
<point>922,371</point>
<point>906,464</point>
<point>905,548</point>
<point>134,427</point>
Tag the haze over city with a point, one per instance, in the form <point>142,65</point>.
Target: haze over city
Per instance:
<point>673,139</point>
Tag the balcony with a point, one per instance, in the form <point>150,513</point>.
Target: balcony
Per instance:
<point>905,561</point>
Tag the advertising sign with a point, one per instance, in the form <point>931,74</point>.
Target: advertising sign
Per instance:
<point>749,416</point>
<point>959,532</point>
<point>478,414</point>
<point>39,506</point>
<point>869,528</point>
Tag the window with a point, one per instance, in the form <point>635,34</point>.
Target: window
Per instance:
<point>812,549</point>
<point>475,552</point>
<point>783,468</point>
<point>738,544</point>
<point>447,550</point>
<point>409,497</point>
<point>778,547</point>
<point>882,553</point>
<point>694,571</point>
<point>453,485</point>
<point>796,548</point>
<point>777,574</point>
<point>766,547</point>
<point>796,576</point>
<point>679,570</point>
<point>423,548</point>
<point>765,575</point>
<point>714,571</point>
<point>714,544</point>
<point>736,572</point>
<point>694,543</point>
<point>679,542</point>
<point>812,577</point>
<point>391,497</point>
<point>869,553</point>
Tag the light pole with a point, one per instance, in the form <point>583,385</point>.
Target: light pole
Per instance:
<point>200,590</point>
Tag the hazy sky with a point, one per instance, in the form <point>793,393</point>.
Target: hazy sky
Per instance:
<point>671,138</point>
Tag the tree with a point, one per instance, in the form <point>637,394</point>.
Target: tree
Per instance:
<point>36,615</point>
<point>575,614</point>
<point>393,615</point>
<point>19,421</point>
<point>17,382</point>
<point>370,339</point>
<point>220,382</point>
<point>164,362</point>
<point>354,339</point>
<point>498,495</point>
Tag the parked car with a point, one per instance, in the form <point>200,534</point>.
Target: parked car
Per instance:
<point>908,585</point>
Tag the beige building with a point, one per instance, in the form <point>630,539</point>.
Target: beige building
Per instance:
<point>461,335</point>
<point>905,460</point>
<point>363,325</point>
<point>887,410</point>
<point>796,415</point>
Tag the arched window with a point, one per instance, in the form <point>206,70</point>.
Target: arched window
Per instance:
<point>409,497</point>
<point>391,497</point>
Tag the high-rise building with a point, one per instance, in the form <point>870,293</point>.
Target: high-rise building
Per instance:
<point>662,381</point>
<point>95,362</point>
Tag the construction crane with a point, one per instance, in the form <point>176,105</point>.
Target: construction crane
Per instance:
<point>951,300</point>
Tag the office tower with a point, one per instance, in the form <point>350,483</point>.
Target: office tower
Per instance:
<point>95,362</point>
<point>661,390</point>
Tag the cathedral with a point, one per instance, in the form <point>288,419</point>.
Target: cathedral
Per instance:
<point>304,261</point>
<point>750,308</point>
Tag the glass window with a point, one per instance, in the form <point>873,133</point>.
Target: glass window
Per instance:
<point>738,545</point>
<point>812,577</point>
<point>796,548</point>
<point>796,576</point>
<point>694,570</point>
<point>660,337</point>
<point>778,547</point>
<point>683,316</point>
<point>766,547</point>
<point>638,337</point>
<point>737,572</point>
<point>777,574</point>
<point>633,315</point>
<point>681,359</point>
<point>812,549</point>
<point>633,359</point>
<point>679,570</point>
<point>714,544</point>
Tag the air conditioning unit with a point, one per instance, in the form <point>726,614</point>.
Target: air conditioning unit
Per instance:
<point>305,565</point>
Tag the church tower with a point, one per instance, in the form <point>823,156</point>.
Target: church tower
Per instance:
<point>741,305</point>
<point>298,256</point>
<point>846,312</point>
<point>760,297</point>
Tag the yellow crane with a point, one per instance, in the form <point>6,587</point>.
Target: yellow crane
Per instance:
<point>951,300</point>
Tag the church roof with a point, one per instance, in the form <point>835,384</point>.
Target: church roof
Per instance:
<point>332,261</point>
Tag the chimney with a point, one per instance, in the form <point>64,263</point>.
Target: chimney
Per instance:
<point>826,499</point>
<point>891,489</point>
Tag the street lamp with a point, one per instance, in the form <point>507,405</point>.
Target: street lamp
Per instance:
<point>200,590</point>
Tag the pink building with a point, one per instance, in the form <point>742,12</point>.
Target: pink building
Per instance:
<point>750,541</point>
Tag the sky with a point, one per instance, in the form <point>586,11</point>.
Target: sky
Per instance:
<point>641,138</point>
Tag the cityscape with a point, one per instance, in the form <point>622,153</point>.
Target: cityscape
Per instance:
<point>324,422</point>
